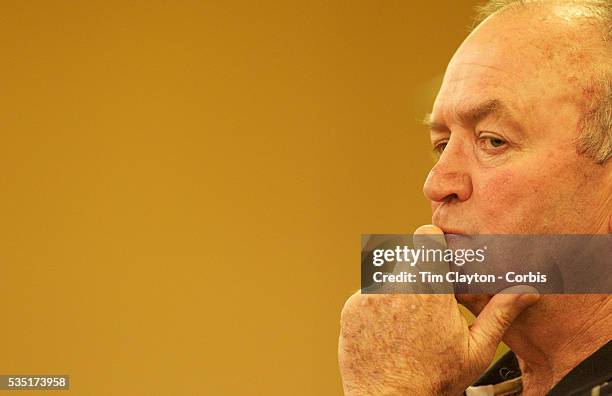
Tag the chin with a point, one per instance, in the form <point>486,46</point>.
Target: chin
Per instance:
<point>474,302</point>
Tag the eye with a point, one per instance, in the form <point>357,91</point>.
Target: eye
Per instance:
<point>439,147</point>
<point>491,141</point>
<point>496,142</point>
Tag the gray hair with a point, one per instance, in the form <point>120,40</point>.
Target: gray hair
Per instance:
<point>595,137</point>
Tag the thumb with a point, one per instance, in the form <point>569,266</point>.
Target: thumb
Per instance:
<point>429,237</point>
<point>496,317</point>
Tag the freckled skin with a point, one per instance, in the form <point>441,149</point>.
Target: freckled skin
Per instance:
<point>500,189</point>
<point>542,187</point>
<point>534,183</point>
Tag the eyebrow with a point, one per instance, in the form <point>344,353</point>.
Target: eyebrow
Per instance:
<point>474,114</point>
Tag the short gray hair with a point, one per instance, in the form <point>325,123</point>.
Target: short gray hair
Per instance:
<point>595,138</point>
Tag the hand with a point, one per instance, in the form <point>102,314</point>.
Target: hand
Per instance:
<point>420,344</point>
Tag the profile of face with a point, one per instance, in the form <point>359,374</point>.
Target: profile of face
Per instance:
<point>505,124</point>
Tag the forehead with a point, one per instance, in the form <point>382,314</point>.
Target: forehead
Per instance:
<point>526,59</point>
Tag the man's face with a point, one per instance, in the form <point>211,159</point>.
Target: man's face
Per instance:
<point>505,123</point>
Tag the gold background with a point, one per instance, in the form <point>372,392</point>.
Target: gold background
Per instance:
<point>184,184</point>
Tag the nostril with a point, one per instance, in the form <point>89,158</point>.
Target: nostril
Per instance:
<point>451,197</point>
<point>444,185</point>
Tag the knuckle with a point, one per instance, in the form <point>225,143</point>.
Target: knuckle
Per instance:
<point>351,305</point>
<point>503,317</point>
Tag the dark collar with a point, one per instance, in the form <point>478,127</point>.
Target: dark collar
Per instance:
<point>594,371</point>
<point>591,372</point>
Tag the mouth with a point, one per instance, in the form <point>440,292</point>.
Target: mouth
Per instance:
<point>441,219</point>
<point>437,219</point>
<point>455,239</point>
<point>450,230</point>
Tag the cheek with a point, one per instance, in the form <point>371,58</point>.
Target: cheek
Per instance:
<point>498,190</point>
<point>537,198</point>
<point>498,183</point>
<point>508,202</point>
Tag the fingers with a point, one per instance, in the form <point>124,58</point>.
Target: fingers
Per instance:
<point>428,229</point>
<point>406,264</point>
<point>429,237</point>
<point>498,315</point>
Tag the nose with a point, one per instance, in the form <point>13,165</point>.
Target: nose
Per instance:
<point>449,180</point>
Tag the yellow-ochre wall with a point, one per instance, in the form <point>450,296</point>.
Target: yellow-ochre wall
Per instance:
<point>183,184</point>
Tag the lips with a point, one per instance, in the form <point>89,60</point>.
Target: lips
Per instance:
<point>450,230</point>
<point>439,218</point>
<point>456,238</point>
